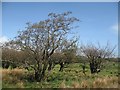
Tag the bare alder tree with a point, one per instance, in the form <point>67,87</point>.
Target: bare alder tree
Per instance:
<point>70,52</point>
<point>96,54</point>
<point>12,57</point>
<point>40,40</point>
<point>65,54</point>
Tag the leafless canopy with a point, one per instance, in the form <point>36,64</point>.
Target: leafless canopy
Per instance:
<point>40,40</point>
<point>94,52</point>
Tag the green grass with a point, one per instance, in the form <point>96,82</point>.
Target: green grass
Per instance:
<point>70,76</point>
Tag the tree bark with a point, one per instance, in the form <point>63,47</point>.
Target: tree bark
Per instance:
<point>37,76</point>
<point>61,66</point>
<point>43,70</point>
<point>92,68</point>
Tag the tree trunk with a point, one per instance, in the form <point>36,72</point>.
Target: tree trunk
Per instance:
<point>50,66</point>
<point>61,66</point>
<point>37,76</point>
<point>44,69</point>
<point>92,68</point>
<point>83,67</point>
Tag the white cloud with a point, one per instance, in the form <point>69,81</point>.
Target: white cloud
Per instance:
<point>115,28</point>
<point>3,39</point>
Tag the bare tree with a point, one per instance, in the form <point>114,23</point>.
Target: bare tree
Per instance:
<point>96,54</point>
<point>12,57</point>
<point>57,58</point>
<point>70,52</point>
<point>65,54</point>
<point>40,40</point>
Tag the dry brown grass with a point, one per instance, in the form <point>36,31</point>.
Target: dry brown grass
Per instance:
<point>84,84</point>
<point>13,76</point>
<point>76,85</point>
<point>62,85</point>
<point>99,83</point>
<point>106,82</point>
<point>20,84</point>
<point>15,71</point>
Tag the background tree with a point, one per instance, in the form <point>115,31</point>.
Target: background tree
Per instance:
<point>12,57</point>
<point>65,54</point>
<point>40,40</point>
<point>9,58</point>
<point>70,51</point>
<point>57,58</point>
<point>96,54</point>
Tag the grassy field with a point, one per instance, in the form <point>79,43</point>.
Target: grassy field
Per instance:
<point>71,77</point>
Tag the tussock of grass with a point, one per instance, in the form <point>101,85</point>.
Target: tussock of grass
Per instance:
<point>75,85</point>
<point>107,82</point>
<point>13,76</point>
<point>62,85</point>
